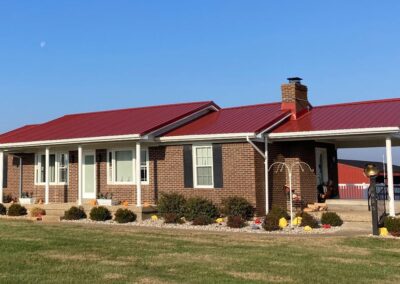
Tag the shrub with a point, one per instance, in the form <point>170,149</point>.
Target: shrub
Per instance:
<point>172,218</point>
<point>202,221</point>
<point>392,224</point>
<point>331,218</point>
<point>271,222</point>
<point>8,198</point>
<point>74,213</point>
<point>3,209</point>
<point>124,216</point>
<point>236,222</point>
<point>200,207</point>
<point>279,212</point>
<point>237,206</point>
<point>100,213</point>
<point>172,203</point>
<point>37,212</point>
<point>308,220</point>
<point>16,210</point>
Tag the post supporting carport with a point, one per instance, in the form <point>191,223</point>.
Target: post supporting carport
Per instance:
<point>1,175</point>
<point>80,157</point>
<point>389,163</point>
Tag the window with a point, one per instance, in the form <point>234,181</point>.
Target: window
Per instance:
<point>121,166</point>
<point>63,168</point>
<point>144,165</point>
<point>58,168</point>
<point>203,166</point>
<point>124,166</point>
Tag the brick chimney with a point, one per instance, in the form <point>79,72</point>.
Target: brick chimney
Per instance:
<point>294,97</point>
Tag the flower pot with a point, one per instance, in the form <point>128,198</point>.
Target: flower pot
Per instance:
<point>27,200</point>
<point>105,202</point>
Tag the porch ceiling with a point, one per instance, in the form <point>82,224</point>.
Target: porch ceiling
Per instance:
<point>361,141</point>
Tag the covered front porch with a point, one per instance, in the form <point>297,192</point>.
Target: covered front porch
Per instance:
<point>345,139</point>
<point>82,174</point>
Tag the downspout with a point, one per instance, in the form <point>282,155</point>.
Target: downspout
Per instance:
<point>265,156</point>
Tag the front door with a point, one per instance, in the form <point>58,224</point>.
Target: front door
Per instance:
<point>321,157</point>
<point>89,175</point>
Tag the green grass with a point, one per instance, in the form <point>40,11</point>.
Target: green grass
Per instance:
<point>69,253</point>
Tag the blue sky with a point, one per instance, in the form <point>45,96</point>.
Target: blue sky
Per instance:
<point>60,57</point>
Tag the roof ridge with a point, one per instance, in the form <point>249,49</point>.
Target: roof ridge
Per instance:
<point>360,102</point>
<point>255,105</point>
<point>143,107</point>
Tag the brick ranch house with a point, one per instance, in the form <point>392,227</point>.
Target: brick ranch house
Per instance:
<point>196,149</point>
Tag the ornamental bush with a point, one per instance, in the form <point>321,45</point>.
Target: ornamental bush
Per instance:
<point>308,220</point>
<point>38,212</point>
<point>3,209</point>
<point>172,203</point>
<point>124,216</point>
<point>236,222</point>
<point>331,218</point>
<point>74,213</point>
<point>392,224</point>
<point>200,207</point>
<point>237,206</point>
<point>202,221</point>
<point>279,212</point>
<point>271,221</point>
<point>100,213</point>
<point>172,218</point>
<point>16,210</point>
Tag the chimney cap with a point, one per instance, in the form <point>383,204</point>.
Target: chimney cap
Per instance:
<point>294,80</point>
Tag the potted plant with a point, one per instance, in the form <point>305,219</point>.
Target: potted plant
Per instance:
<point>27,198</point>
<point>105,199</point>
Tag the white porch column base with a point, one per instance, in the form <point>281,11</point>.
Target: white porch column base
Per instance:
<point>1,175</point>
<point>80,155</point>
<point>138,177</point>
<point>47,187</point>
<point>389,162</point>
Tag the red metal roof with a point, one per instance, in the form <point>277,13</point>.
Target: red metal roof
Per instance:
<point>105,123</point>
<point>367,114</point>
<point>244,119</point>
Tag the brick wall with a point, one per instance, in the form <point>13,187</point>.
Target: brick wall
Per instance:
<point>243,175</point>
<point>239,173</point>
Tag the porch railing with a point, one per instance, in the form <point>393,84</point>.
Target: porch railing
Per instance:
<point>360,191</point>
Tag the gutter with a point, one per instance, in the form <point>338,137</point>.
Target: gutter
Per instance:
<point>334,133</point>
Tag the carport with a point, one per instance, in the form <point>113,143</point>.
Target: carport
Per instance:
<point>354,125</point>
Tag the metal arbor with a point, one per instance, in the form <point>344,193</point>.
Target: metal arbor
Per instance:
<point>289,167</point>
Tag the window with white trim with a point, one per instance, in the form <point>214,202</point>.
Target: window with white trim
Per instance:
<point>121,165</point>
<point>58,168</point>
<point>203,166</point>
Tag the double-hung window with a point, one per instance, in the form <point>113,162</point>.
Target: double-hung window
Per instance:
<point>121,165</point>
<point>203,166</point>
<point>58,168</point>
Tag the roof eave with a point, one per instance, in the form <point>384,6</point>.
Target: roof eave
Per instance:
<point>335,133</point>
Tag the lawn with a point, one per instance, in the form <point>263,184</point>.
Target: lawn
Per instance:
<point>66,253</point>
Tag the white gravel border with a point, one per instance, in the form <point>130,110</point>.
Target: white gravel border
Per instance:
<point>222,227</point>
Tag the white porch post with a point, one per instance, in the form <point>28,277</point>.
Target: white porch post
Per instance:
<point>266,166</point>
<point>1,175</point>
<point>47,176</point>
<point>138,177</point>
<point>80,154</point>
<point>390,176</point>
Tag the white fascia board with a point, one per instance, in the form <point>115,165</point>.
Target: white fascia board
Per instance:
<point>72,141</point>
<point>333,133</point>
<point>204,137</point>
